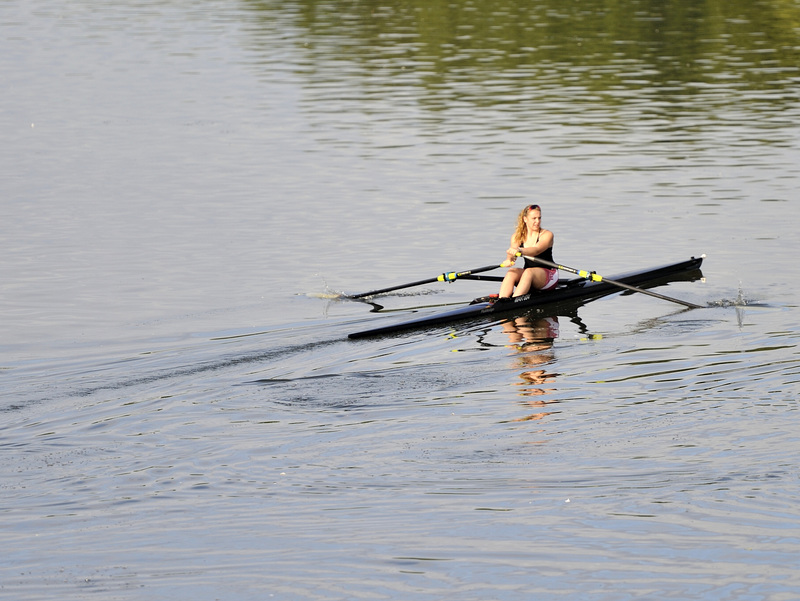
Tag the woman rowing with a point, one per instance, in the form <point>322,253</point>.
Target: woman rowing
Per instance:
<point>529,240</point>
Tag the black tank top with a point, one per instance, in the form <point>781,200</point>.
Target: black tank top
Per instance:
<point>546,255</point>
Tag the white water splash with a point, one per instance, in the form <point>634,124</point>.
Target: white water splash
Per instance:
<point>739,301</point>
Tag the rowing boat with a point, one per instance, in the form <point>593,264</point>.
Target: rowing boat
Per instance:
<point>571,290</point>
<point>567,291</point>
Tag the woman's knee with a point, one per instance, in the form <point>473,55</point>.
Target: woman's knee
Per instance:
<point>535,276</point>
<point>513,274</point>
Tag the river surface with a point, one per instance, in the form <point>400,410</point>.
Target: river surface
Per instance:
<point>185,189</point>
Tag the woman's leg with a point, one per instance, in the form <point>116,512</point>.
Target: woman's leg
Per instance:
<point>525,281</point>
<point>533,278</point>
<point>512,277</point>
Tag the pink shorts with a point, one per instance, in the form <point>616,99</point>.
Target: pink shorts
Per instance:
<point>552,279</point>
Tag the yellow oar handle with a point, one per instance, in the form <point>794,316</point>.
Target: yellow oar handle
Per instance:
<point>588,275</point>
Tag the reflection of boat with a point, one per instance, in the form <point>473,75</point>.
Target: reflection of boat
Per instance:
<point>567,291</point>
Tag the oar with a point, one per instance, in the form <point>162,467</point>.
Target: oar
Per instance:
<point>450,276</point>
<point>598,278</point>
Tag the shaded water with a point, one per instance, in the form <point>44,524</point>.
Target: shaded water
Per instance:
<point>182,414</point>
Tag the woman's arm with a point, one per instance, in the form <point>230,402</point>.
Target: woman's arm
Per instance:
<point>513,249</point>
<point>545,241</point>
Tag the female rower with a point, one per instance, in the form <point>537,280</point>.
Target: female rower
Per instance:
<point>530,240</point>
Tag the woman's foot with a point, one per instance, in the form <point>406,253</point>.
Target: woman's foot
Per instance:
<point>484,299</point>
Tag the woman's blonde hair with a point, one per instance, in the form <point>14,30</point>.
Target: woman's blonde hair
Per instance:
<point>522,230</point>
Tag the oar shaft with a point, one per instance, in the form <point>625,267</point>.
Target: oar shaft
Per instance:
<point>449,276</point>
<point>391,288</point>
<point>598,278</point>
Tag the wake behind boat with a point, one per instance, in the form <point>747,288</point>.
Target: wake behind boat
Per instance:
<point>575,289</point>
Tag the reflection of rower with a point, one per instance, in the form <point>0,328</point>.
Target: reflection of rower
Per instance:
<point>538,377</point>
<point>533,337</point>
<point>524,330</point>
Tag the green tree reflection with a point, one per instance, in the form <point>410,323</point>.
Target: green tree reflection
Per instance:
<point>506,52</point>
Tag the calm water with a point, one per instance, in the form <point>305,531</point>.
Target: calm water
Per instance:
<point>182,415</point>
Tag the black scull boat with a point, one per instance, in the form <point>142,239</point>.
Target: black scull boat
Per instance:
<point>571,290</point>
